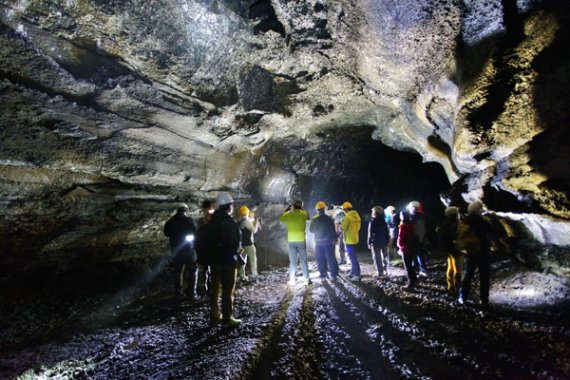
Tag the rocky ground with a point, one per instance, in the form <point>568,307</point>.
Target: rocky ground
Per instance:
<point>81,327</point>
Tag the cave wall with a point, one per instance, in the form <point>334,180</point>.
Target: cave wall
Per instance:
<point>114,111</point>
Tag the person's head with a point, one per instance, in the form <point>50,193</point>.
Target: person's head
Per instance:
<point>414,207</point>
<point>451,212</point>
<point>243,211</point>
<point>347,206</point>
<point>298,203</point>
<point>208,206</point>
<point>390,210</point>
<point>377,211</point>
<point>320,206</point>
<point>475,208</point>
<point>182,208</point>
<point>225,202</point>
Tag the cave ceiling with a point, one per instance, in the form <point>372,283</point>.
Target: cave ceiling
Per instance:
<point>169,100</point>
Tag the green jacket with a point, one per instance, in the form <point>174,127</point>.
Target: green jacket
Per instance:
<point>296,221</point>
<point>350,227</point>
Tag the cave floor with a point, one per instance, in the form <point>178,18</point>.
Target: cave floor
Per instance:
<point>328,330</point>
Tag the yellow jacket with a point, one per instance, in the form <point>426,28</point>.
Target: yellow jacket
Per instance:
<point>350,226</point>
<point>296,221</point>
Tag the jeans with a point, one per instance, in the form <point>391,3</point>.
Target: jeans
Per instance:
<point>224,280</point>
<point>381,259</point>
<point>326,259</point>
<point>420,260</point>
<point>481,261</point>
<point>298,250</point>
<point>354,264</point>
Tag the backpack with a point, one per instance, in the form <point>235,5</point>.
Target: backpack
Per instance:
<point>467,240</point>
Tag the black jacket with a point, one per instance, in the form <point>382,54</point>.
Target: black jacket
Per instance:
<point>219,240</point>
<point>378,235</point>
<point>177,228</point>
<point>322,226</point>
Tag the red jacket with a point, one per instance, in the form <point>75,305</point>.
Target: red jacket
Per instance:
<point>405,235</point>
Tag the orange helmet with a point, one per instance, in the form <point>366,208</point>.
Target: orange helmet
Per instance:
<point>243,211</point>
<point>320,205</point>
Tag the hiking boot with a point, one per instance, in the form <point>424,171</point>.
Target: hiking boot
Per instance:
<point>214,320</point>
<point>460,300</point>
<point>422,273</point>
<point>232,322</point>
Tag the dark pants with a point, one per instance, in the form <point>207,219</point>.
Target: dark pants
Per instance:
<point>326,259</point>
<point>203,279</point>
<point>481,261</point>
<point>409,260</point>
<point>224,281</point>
<point>183,263</point>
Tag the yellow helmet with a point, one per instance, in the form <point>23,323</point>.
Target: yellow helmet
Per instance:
<point>320,205</point>
<point>346,205</point>
<point>243,211</point>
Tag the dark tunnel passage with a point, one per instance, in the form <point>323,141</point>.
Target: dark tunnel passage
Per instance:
<point>348,165</point>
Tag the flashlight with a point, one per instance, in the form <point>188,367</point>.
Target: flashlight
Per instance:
<point>189,238</point>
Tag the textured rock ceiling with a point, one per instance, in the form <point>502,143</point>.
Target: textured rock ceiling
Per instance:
<point>113,110</point>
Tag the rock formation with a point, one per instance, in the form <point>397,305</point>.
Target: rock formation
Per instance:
<point>113,111</point>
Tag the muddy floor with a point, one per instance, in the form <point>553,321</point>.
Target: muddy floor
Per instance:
<point>84,329</point>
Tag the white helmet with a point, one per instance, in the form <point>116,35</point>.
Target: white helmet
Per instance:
<point>224,199</point>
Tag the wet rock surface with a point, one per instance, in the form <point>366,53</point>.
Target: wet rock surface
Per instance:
<point>327,330</point>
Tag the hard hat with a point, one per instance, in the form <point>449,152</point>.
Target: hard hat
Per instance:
<point>390,209</point>
<point>224,199</point>
<point>320,205</point>
<point>414,204</point>
<point>475,207</point>
<point>298,203</point>
<point>346,205</point>
<point>243,211</point>
<point>182,207</point>
<point>378,210</point>
<point>452,210</point>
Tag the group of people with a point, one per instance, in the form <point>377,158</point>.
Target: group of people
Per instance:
<point>327,231</point>
<point>215,249</point>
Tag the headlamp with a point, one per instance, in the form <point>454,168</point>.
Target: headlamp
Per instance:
<point>189,238</point>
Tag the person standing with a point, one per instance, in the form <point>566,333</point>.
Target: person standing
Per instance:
<point>407,241</point>
<point>477,258</point>
<point>322,227</point>
<point>208,207</point>
<point>248,227</point>
<point>392,221</point>
<point>378,241</point>
<point>223,235</point>
<point>339,216</point>
<point>416,211</point>
<point>350,228</point>
<point>295,218</point>
<point>447,237</point>
<point>181,230</point>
